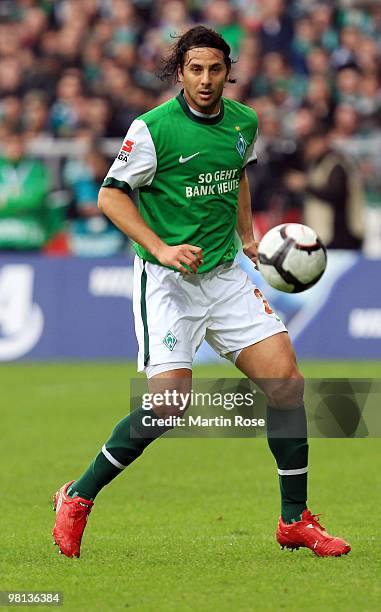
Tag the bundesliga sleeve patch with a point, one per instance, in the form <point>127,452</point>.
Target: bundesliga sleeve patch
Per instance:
<point>126,150</point>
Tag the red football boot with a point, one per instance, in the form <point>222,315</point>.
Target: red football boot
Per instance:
<point>309,533</point>
<point>71,518</point>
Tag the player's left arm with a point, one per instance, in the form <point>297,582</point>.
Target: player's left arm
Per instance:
<point>245,220</point>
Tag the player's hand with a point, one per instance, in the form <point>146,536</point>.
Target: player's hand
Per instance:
<point>177,256</point>
<point>251,251</point>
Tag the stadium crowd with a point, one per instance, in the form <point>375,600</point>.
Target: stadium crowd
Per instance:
<point>75,73</point>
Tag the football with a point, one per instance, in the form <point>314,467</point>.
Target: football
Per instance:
<point>291,257</point>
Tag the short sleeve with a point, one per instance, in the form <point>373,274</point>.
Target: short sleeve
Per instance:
<point>251,156</point>
<point>136,163</point>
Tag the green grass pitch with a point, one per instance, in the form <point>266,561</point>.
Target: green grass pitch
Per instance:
<point>190,526</point>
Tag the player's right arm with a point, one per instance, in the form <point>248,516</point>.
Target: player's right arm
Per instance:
<point>134,167</point>
<point>121,210</point>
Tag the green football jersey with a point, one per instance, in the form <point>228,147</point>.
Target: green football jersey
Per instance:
<point>187,168</point>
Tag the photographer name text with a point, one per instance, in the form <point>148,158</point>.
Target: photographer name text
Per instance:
<point>199,421</point>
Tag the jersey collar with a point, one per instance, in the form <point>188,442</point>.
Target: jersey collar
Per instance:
<point>205,120</point>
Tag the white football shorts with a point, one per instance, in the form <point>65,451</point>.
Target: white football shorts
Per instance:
<point>175,313</point>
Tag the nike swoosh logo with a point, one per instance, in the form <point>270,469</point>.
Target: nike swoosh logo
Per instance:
<point>183,160</point>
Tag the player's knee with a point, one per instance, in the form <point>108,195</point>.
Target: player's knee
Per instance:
<point>170,403</point>
<point>170,394</point>
<point>287,390</point>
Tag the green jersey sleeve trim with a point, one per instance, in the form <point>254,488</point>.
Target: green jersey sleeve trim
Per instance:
<point>143,312</point>
<point>251,162</point>
<point>251,156</point>
<point>206,120</point>
<point>113,182</point>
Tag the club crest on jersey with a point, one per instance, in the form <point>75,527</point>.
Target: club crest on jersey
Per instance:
<point>126,150</point>
<point>170,340</point>
<point>241,145</point>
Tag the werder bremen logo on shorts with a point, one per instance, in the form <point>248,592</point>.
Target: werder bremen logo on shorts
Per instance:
<point>170,340</point>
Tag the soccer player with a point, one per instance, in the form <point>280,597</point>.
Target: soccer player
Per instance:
<point>188,158</point>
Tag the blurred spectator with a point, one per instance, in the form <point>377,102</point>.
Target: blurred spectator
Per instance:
<point>368,56</point>
<point>322,16</point>
<point>301,124</point>
<point>24,189</point>
<point>317,62</point>
<point>276,29</point>
<point>345,122</point>
<point>277,80</point>
<point>35,115</point>
<point>333,201</point>
<point>10,77</point>
<point>319,100</point>
<point>173,17</point>
<point>221,15</point>
<point>304,39</point>
<point>345,54</point>
<point>369,100</point>
<point>90,233</point>
<point>97,116</point>
<point>348,84</point>
<point>10,113</point>
<point>65,113</point>
<point>35,21</point>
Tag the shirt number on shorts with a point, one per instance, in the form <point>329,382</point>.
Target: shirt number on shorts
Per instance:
<point>258,294</point>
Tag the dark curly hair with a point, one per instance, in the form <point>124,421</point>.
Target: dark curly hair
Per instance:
<point>199,36</point>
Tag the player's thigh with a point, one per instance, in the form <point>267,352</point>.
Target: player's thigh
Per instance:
<point>271,363</point>
<point>171,391</point>
<point>240,315</point>
<point>272,357</point>
<point>169,324</point>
